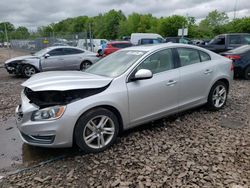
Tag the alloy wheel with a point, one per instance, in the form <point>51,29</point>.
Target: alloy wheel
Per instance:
<point>99,132</point>
<point>85,65</point>
<point>29,71</point>
<point>219,96</point>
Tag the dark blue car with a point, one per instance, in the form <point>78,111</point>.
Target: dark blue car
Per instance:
<point>241,61</point>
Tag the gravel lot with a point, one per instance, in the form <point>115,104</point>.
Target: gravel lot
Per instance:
<point>194,149</point>
<point>9,84</point>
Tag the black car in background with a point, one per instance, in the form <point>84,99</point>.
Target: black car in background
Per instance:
<point>241,61</point>
<point>225,42</point>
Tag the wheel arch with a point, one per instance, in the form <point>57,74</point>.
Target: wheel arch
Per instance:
<point>224,80</point>
<point>108,107</point>
<point>85,60</point>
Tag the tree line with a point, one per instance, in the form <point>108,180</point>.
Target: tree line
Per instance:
<point>114,25</point>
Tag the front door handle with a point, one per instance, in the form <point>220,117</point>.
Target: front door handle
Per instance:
<point>208,71</point>
<point>171,82</point>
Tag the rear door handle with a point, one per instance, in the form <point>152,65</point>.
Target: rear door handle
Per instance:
<point>208,71</point>
<point>171,82</point>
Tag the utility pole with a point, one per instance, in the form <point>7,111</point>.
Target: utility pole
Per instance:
<point>86,40</point>
<point>235,8</point>
<point>90,37</point>
<point>7,39</point>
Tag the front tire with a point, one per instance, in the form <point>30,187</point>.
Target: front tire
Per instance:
<point>28,71</point>
<point>247,73</point>
<point>217,96</point>
<point>85,65</point>
<point>96,130</point>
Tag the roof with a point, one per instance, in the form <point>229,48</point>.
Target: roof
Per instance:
<point>56,47</point>
<point>152,47</point>
<point>234,34</point>
<point>118,42</point>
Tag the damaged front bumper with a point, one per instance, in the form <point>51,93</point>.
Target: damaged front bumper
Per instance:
<point>45,133</point>
<point>13,68</point>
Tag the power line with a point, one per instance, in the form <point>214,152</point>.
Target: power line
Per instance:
<point>235,8</point>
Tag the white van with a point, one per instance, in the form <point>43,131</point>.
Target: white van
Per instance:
<point>145,38</point>
<point>96,44</point>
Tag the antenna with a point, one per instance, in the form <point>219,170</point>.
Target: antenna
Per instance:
<point>235,8</point>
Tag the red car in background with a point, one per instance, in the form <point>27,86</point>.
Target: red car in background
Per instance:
<point>114,46</point>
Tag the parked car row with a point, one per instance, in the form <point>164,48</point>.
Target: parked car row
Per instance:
<point>5,44</point>
<point>225,42</point>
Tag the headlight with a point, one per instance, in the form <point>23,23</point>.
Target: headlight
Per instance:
<point>50,113</point>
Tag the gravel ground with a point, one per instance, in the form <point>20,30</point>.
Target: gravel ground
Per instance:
<point>9,86</point>
<point>193,149</point>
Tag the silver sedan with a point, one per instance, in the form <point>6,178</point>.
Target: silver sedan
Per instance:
<point>52,58</point>
<point>126,89</point>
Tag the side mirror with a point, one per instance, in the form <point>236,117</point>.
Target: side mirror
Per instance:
<point>46,55</point>
<point>142,74</point>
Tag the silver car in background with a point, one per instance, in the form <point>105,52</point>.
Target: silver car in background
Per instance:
<point>52,58</point>
<point>128,88</point>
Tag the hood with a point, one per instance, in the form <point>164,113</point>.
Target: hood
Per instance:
<point>65,80</point>
<point>20,58</point>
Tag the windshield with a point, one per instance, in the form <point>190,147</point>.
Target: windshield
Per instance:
<point>115,64</point>
<point>41,52</point>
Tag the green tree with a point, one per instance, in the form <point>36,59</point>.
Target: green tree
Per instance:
<point>142,23</point>
<point>169,26</point>
<point>9,28</point>
<point>214,23</point>
<point>112,20</point>
<point>20,33</point>
<point>239,25</point>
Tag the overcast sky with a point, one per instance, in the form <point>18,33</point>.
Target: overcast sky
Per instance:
<point>34,13</point>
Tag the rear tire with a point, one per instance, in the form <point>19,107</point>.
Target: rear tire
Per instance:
<point>247,73</point>
<point>96,130</point>
<point>85,65</point>
<point>217,96</point>
<point>28,71</point>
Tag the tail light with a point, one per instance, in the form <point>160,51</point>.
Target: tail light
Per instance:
<point>233,57</point>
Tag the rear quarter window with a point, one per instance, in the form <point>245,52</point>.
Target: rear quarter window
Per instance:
<point>188,56</point>
<point>204,56</point>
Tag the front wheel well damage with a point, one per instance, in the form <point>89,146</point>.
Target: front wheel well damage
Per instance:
<point>19,66</point>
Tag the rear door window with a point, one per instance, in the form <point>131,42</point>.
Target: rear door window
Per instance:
<point>188,56</point>
<point>235,39</point>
